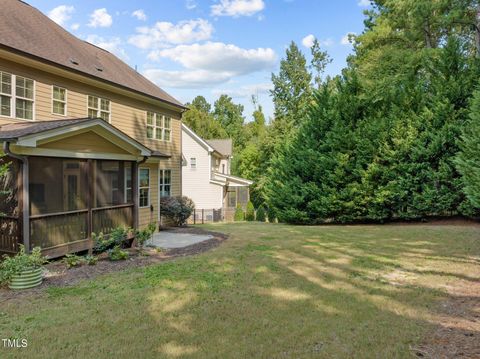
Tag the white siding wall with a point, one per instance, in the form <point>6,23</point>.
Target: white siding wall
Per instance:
<point>196,182</point>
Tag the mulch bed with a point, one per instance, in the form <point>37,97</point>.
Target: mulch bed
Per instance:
<point>57,274</point>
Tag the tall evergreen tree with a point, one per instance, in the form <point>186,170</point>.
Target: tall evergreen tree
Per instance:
<point>468,160</point>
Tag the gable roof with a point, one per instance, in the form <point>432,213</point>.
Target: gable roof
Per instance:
<point>25,29</point>
<point>30,132</point>
<point>222,146</point>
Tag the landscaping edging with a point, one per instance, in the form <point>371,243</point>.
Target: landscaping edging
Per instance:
<point>57,274</point>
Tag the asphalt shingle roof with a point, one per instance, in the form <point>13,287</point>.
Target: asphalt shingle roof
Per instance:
<point>222,146</point>
<point>25,29</point>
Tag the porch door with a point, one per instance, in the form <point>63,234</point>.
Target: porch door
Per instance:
<point>71,185</point>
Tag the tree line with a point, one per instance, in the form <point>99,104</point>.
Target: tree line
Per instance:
<point>395,136</point>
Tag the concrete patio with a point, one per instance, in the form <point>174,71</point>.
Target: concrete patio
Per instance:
<point>168,240</point>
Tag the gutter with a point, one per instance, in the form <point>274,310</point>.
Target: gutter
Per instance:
<point>25,194</point>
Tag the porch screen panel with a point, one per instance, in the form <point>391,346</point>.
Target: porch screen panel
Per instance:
<point>242,195</point>
<point>113,183</point>
<point>57,185</point>
<point>8,189</point>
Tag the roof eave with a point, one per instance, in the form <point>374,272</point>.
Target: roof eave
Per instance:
<point>67,68</point>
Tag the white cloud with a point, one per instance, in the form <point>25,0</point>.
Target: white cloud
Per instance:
<point>190,4</point>
<point>308,40</point>
<point>112,45</point>
<point>100,18</point>
<point>140,15</point>
<point>209,64</point>
<point>364,3</point>
<point>236,8</point>
<point>217,56</point>
<point>246,91</point>
<point>165,33</point>
<point>75,26</point>
<point>61,14</point>
<point>346,38</point>
<point>186,79</point>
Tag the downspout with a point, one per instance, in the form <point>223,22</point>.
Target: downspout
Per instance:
<point>25,195</point>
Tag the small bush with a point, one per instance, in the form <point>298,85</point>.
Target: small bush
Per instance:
<point>72,260</point>
<point>118,237</point>
<point>143,235</point>
<point>91,260</point>
<point>177,209</point>
<point>250,216</point>
<point>261,215</point>
<point>239,214</point>
<point>271,215</point>
<point>117,254</point>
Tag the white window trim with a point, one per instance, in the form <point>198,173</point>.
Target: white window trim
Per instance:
<point>13,97</point>
<point>100,106</point>
<point>155,127</point>
<point>160,185</point>
<point>193,163</point>
<point>149,187</point>
<point>65,102</point>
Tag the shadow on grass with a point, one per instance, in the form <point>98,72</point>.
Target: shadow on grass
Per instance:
<point>269,292</point>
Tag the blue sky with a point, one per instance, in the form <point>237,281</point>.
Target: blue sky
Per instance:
<point>209,47</point>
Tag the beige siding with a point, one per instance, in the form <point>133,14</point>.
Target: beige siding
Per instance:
<point>85,142</point>
<point>127,114</point>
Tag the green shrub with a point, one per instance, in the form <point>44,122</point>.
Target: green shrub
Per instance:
<point>271,215</point>
<point>250,216</point>
<point>72,260</point>
<point>239,214</point>
<point>118,237</point>
<point>260,215</point>
<point>177,209</point>
<point>21,261</point>
<point>143,235</point>
<point>91,260</point>
<point>117,254</point>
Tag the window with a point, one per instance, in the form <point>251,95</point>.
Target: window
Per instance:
<point>223,168</point>
<point>158,126</point>
<point>99,108</point>
<point>165,184</point>
<point>24,98</point>
<point>193,162</point>
<point>16,94</point>
<point>144,187</point>
<point>59,101</point>
<point>5,94</point>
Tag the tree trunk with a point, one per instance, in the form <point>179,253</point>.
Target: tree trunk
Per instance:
<point>477,31</point>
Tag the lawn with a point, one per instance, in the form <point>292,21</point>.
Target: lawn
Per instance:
<point>269,291</point>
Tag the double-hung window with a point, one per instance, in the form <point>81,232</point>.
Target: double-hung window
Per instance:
<point>16,96</point>
<point>165,183</point>
<point>59,101</point>
<point>193,163</point>
<point>99,108</point>
<point>23,98</point>
<point>158,126</point>
<point>144,187</point>
<point>5,94</point>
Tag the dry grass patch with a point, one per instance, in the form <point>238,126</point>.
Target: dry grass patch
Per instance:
<point>270,291</point>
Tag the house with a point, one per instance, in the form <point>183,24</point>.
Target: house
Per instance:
<point>91,143</point>
<point>206,174</point>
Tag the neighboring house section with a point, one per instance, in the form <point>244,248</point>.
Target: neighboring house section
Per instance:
<point>206,177</point>
<point>92,143</point>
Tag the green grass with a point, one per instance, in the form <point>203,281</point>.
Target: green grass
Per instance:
<point>270,291</point>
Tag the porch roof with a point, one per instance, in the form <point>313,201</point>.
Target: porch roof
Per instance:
<point>31,134</point>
